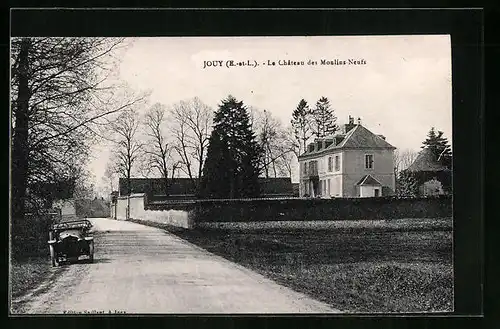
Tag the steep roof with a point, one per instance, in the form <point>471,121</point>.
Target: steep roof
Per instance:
<point>368,180</point>
<point>360,137</point>
<point>357,138</point>
<point>426,161</point>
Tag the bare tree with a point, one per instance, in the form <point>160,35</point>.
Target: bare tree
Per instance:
<point>59,95</point>
<point>158,150</point>
<point>84,187</point>
<point>192,124</point>
<point>109,176</point>
<point>408,156</point>
<point>275,143</point>
<point>396,160</point>
<point>289,150</point>
<point>127,147</point>
<point>403,159</point>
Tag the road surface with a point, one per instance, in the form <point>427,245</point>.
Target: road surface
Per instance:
<point>140,269</point>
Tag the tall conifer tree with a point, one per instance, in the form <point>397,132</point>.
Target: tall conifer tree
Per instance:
<point>324,119</point>
<point>232,166</point>
<point>302,123</point>
<point>439,146</point>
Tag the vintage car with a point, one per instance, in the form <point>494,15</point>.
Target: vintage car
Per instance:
<point>68,241</point>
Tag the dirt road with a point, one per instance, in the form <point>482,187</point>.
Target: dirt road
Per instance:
<point>140,269</point>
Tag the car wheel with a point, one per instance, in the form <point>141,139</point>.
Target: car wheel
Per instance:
<point>91,252</point>
<point>53,256</point>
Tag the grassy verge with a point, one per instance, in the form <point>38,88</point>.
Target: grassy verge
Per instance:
<point>355,269</point>
<point>407,224</point>
<point>30,264</point>
<point>370,287</point>
<point>27,274</point>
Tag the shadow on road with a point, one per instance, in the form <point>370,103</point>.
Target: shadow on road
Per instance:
<point>101,260</point>
<point>85,261</point>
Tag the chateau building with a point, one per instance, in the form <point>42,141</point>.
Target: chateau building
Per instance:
<point>353,162</point>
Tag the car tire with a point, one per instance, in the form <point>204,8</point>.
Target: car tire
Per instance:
<point>91,252</point>
<point>53,256</point>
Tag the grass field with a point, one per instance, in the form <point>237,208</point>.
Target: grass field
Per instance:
<point>392,267</point>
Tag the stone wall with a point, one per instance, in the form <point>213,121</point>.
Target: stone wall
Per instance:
<point>172,217</point>
<point>188,214</point>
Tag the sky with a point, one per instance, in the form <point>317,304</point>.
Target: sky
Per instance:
<point>402,89</point>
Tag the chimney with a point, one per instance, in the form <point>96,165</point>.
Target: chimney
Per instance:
<point>359,121</point>
<point>348,126</point>
<point>382,136</point>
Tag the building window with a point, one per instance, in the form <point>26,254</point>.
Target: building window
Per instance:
<point>369,161</point>
<point>328,192</point>
<point>305,167</point>
<point>337,163</point>
<point>313,168</point>
<point>330,164</point>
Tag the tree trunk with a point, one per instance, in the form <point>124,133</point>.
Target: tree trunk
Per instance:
<point>200,171</point>
<point>188,167</point>
<point>231,182</point>
<point>165,177</point>
<point>200,165</point>
<point>127,215</point>
<point>20,138</point>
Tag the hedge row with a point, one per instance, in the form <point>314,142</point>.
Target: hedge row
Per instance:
<point>29,235</point>
<point>250,210</point>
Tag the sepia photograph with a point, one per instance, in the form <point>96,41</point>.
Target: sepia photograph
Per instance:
<point>231,175</point>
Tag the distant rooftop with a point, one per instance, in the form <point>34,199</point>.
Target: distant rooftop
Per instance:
<point>426,161</point>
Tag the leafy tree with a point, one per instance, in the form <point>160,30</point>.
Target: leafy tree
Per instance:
<point>324,123</point>
<point>439,146</point>
<point>301,124</point>
<point>60,97</point>
<point>406,184</point>
<point>231,169</point>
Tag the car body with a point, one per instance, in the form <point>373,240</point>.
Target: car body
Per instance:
<point>68,241</point>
